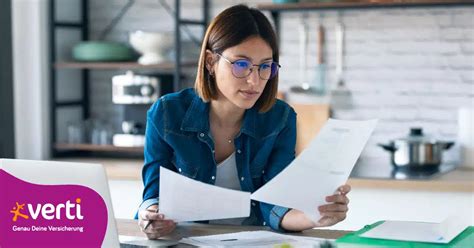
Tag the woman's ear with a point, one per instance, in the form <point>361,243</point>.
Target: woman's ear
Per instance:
<point>210,61</point>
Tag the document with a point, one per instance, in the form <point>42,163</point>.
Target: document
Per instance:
<point>442,232</point>
<point>253,239</point>
<point>135,241</point>
<point>184,199</point>
<point>320,169</point>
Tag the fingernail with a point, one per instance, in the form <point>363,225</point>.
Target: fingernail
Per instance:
<point>161,216</point>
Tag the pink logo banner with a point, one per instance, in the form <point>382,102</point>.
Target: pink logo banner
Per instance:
<point>33,215</point>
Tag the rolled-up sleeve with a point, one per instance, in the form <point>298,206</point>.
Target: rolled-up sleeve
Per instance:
<point>157,153</point>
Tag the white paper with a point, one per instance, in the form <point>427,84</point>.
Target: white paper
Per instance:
<point>252,239</point>
<point>135,241</point>
<point>184,199</point>
<point>418,231</point>
<point>320,169</point>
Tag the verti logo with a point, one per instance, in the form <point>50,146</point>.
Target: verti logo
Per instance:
<point>53,216</point>
<point>49,211</point>
<point>16,212</point>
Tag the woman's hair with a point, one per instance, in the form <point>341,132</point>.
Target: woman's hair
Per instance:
<point>230,28</point>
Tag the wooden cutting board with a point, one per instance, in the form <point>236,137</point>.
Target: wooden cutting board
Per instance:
<point>310,119</point>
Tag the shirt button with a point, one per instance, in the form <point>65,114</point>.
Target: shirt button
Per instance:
<point>263,172</point>
<point>239,151</point>
<point>213,151</point>
<point>242,178</point>
<point>264,223</point>
<point>201,135</point>
<point>213,177</point>
<point>179,169</point>
<point>253,204</point>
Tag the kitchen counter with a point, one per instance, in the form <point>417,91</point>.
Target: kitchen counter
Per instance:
<point>458,180</point>
<point>379,173</point>
<point>115,168</point>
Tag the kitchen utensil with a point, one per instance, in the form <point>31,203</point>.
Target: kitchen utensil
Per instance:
<point>416,150</point>
<point>316,86</point>
<point>304,55</point>
<point>304,86</point>
<point>319,81</point>
<point>341,97</point>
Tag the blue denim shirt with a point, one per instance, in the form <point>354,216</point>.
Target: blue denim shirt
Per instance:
<point>178,138</point>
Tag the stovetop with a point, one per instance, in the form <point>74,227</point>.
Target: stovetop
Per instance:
<point>383,169</point>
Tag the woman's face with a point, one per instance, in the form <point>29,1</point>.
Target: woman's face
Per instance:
<point>241,92</point>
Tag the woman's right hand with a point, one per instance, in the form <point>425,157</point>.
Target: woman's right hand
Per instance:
<point>159,227</point>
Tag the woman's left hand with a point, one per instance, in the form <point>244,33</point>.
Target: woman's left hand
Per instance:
<point>336,210</point>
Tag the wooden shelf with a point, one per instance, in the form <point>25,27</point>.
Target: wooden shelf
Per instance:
<point>361,4</point>
<point>118,65</point>
<point>97,148</point>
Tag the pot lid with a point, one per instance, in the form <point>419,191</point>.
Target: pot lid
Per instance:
<point>416,135</point>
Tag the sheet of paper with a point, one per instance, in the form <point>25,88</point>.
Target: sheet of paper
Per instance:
<point>418,231</point>
<point>184,199</point>
<point>134,241</point>
<point>252,239</point>
<point>320,169</point>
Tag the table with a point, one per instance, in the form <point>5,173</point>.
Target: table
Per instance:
<point>130,228</point>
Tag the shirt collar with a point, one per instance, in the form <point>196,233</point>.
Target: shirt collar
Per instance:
<point>196,118</point>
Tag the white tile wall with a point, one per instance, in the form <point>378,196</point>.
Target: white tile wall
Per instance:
<point>405,66</point>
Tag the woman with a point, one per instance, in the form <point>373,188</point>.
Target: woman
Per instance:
<point>229,130</point>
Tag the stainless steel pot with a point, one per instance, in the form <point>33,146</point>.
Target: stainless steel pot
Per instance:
<point>416,150</point>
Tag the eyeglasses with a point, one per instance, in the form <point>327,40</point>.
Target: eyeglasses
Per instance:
<point>242,68</point>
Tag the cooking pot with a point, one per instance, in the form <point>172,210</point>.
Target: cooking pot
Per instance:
<point>416,150</point>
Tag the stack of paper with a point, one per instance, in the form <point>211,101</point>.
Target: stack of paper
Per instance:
<point>418,231</point>
<point>252,239</point>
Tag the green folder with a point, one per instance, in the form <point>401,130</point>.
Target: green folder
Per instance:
<point>352,240</point>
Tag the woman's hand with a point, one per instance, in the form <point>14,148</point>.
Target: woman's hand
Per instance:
<point>332,213</point>
<point>159,226</point>
<point>336,211</point>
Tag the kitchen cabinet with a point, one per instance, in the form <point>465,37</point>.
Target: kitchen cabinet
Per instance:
<point>66,29</point>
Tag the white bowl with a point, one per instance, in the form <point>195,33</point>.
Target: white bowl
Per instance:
<point>152,45</point>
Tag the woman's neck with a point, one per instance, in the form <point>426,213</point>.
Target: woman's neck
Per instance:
<point>225,114</point>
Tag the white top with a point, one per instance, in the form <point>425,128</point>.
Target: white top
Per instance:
<point>226,173</point>
<point>227,177</point>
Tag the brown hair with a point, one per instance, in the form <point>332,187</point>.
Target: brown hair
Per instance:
<point>231,27</point>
